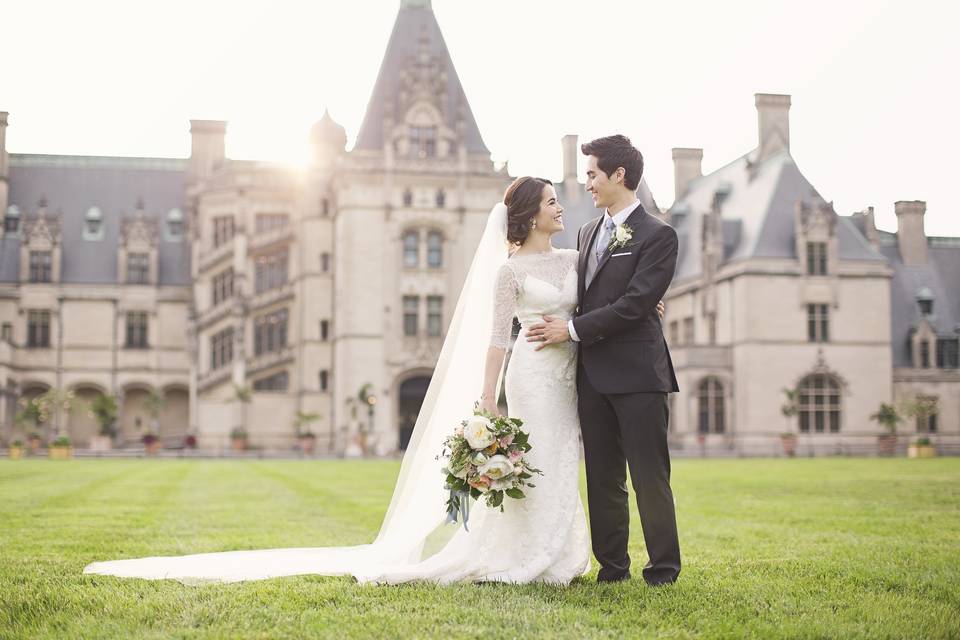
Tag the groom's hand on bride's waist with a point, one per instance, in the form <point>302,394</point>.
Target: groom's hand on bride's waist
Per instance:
<point>550,331</point>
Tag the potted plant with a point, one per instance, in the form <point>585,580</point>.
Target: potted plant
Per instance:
<point>190,442</point>
<point>60,449</point>
<point>53,402</point>
<point>104,409</point>
<point>789,408</point>
<point>15,452</point>
<point>307,440</point>
<point>154,404</point>
<point>887,417</point>
<point>151,443</point>
<point>30,416</point>
<point>922,408</point>
<point>921,448</point>
<point>238,438</point>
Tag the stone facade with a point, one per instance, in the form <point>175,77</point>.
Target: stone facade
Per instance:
<point>774,291</point>
<point>328,290</point>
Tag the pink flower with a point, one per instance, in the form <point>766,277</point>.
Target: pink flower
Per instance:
<point>506,441</point>
<point>515,456</point>
<point>483,482</point>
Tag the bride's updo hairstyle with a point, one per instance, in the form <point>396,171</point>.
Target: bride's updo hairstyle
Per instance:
<point>523,204</point>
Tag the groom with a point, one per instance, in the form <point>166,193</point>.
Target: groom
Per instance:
<point>627,260</point>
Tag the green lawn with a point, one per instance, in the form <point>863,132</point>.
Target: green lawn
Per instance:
<point>838,548</point>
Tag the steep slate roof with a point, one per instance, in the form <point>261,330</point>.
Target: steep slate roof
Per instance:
<point>940,276</point>
<point>758,213</point>
<point>73,184</point>
<point>416,22</point>
<point>579,210</point>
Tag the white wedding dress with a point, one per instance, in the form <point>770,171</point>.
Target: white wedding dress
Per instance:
<point>541,538</point>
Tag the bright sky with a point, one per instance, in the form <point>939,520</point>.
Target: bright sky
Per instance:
<point>875,116</point>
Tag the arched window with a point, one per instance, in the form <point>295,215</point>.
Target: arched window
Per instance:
<point>93,224</point>
<point>411,249</point>
<point>435,249</point>
<point>819,404</point>
<point>11,221</point>
<point>710,406</point>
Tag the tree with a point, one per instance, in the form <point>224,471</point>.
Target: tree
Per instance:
<point>104,409</point>
<point>790,406</point>
<point>305,419</point>
<point>154,405</point>
<point>887,417</point>
<point>921,408</point>
<point>242,394</point>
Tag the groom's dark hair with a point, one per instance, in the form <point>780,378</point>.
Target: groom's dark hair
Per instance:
<point>617,151</point>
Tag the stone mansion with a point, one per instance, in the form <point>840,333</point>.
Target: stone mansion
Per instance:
<point>328,290</point>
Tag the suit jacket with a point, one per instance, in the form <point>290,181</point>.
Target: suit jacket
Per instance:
<point>622,348</point>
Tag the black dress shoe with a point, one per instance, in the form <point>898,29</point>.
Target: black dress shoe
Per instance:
<point>619,578</point>
<point>660,583</point>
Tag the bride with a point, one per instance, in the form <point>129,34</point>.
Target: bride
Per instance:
<point>541,538</point>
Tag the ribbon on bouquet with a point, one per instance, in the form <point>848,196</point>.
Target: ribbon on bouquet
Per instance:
<point>459,504</point>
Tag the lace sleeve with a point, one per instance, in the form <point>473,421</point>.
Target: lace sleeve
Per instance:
<point>505,296</point>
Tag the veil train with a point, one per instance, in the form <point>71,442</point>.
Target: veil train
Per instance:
<point>417,508</point>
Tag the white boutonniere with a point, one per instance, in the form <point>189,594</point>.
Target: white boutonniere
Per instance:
<point>621,236</point>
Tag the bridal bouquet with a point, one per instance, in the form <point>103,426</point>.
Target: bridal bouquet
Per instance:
<point>485,459</point>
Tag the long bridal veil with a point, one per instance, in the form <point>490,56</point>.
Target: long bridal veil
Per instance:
<point>417,508</point>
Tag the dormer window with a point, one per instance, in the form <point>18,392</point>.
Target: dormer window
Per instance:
<point>721,194</point>
<point>93,224</point>
<point>423,142</point>
<point>11,221</point>
<point>925,301</point>
<point>174,225</point>
<point>816,258</point>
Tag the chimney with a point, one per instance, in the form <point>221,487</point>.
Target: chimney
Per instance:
<point>571,186</point>
<point>4,187</point>
<point>773,120</point>
<point>686,168</point>
<point>870,227</point>
<point>206,147</point>
<point>911,239</point>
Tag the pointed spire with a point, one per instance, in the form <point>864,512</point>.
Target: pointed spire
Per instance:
<point>417,66</point>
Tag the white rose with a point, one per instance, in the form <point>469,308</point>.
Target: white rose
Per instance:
<point>500,485</point>
<point>622,234</point>
<point>478,459</point>
<point>477,433</point>
<point>497,467</point>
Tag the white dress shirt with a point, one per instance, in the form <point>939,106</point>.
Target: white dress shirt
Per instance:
<point>618,219</point>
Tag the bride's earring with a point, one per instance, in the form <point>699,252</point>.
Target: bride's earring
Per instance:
<point>533,224</point>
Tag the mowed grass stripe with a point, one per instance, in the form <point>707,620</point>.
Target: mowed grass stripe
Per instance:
<point>773,548</point>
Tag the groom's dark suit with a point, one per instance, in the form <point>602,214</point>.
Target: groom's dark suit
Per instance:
<point>623,377</point>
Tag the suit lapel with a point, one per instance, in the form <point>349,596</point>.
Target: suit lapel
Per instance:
<point>591,237</point>
<point>633,221</point>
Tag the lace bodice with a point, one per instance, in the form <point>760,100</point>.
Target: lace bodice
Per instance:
<point>519,290</point>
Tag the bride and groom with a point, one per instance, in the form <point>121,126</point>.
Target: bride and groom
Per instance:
<point>589,362</point>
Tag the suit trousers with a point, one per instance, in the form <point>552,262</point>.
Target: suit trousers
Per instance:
<point>621,430</point>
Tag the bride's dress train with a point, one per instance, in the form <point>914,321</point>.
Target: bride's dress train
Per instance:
<point>542,537</point>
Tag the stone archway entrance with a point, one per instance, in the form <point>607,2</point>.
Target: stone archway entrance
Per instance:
<point>412,392</point>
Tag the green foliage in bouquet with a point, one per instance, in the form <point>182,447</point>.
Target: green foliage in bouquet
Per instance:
<point>486,459</point>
